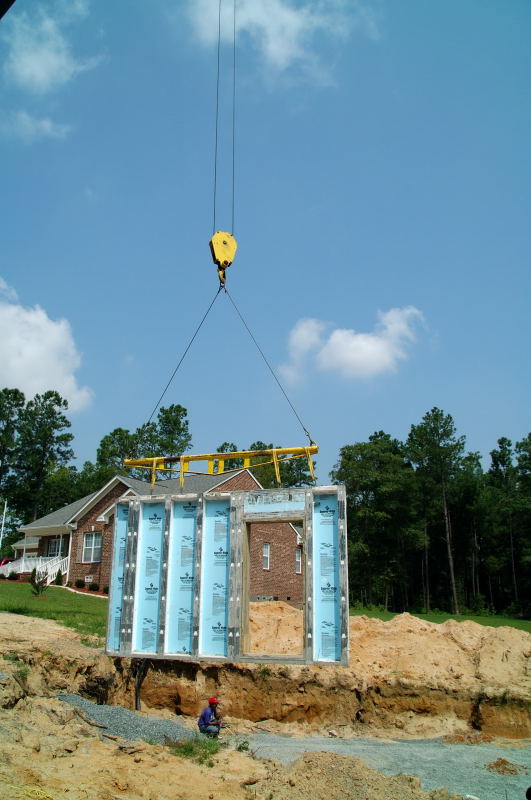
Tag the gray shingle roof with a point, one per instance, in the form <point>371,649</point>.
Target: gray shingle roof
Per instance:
<point>194,484</point>
<point>61,516</point>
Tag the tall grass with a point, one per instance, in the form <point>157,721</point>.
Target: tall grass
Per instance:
<point>200,749</point>
<point>83,613</point>
<point>493,620</point>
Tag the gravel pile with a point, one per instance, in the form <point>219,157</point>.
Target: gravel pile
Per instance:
<point>127,724</point>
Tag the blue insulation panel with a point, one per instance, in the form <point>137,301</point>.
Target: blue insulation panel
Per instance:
<point>181,577</point>
<point>327,594</point>
<point>147,590</point>
<point>213,635</point>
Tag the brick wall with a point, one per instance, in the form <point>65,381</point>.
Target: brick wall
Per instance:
<point>238,483</point>
<point>280,580</point>
<point>101,571</point>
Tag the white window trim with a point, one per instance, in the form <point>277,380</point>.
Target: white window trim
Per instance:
<point>91,548</point>
<point>266,555</point>
<point>298,561</point>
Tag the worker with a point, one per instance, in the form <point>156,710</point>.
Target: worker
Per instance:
<point>210,721</point>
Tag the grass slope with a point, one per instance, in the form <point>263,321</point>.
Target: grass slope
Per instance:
<point>84,613</point>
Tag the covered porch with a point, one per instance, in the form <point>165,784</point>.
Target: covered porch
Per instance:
<point>47,553</point>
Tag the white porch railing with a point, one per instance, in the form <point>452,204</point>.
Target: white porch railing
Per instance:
<point>25,564</point>
<point>51,567</point>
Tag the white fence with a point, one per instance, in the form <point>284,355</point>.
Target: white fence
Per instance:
<point>46,567</point>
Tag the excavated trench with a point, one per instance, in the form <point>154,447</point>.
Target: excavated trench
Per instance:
<point>406,678</point>
<point>314,697</point>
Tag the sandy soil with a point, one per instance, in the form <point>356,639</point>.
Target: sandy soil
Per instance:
<point>47,747</point>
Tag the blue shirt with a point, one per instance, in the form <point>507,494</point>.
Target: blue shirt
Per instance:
<point>207,717</point>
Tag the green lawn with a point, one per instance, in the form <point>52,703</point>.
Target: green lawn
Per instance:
<point>493,621</point>
<point>84,613</point>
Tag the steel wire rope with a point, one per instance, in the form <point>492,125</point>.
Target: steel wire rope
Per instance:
<point>184,354</point>
<point>217,123</point>
<point>216,137</point>
<point>233,107</point>
<point>272,371</point>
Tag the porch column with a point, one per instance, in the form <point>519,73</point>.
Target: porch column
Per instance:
<point>69,556</point>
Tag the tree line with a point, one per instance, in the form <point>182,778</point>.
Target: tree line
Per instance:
<point>36,473</point>
<point>429,528</point>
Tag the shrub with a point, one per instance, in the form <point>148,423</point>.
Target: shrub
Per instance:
<point>94,587</point>
<point>59,578</point>
<point>105,590</point>
<point>199,749</point>
<point>79,584</point>
<point>12,576</point>
<point>38,585</point>
<point>33,574</point>
<point>2,577</point>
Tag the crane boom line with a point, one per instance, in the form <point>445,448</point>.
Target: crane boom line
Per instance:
<point>233,107</point>
<point>217,115</point>
<point>217,123</point>
<point>271,370</point>
<point>184,354</point>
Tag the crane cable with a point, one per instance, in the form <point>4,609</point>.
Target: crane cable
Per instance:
<point>271,370</point>
<point>216,134</point>
<point>188,346</point>
<point>216,148</point>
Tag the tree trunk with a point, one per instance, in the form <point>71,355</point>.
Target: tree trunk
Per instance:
<point>448,532</point>
<point>513,570</point>
<point>476,561</point>
<point>426,567</point>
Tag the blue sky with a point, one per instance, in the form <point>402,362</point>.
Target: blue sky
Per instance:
<point>383,198</point>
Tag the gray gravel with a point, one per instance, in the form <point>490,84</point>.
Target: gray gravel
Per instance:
<point>128,724</point>
<point>459,768</point>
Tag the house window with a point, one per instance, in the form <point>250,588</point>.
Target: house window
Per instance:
<point>266,549</point>
<point>91,547</point>
<point>298,560</point>
<point>53,547</point>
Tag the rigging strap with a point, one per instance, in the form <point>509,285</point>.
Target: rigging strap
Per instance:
<point>184,354</point>
<point>271,370</point>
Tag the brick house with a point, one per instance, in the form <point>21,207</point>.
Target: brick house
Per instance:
<point>77,539</point>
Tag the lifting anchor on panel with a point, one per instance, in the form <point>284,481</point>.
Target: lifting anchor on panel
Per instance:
<point>223,247</point>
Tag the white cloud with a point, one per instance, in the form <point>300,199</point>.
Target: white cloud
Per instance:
<point>39,57</point>
<point>352,354</point>
<point>38,353</point>
<point>24,126</point>
<point>282,32</point>
<point>7,292</point>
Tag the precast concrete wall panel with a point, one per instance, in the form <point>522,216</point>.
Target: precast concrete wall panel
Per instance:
<point>179,568</point>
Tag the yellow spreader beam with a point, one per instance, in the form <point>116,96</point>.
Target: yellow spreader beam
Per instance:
<point>182,463</point>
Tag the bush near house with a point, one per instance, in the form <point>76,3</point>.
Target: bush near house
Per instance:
<point>79,584</point>
<point>94,587</point>
<point>12,576</point>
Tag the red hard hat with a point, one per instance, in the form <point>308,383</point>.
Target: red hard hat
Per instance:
<point>212,700</point>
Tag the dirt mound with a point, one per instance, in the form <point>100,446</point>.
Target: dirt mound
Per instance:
<point>338,777</point>
<point>275,628</point>
<point>504,767</point>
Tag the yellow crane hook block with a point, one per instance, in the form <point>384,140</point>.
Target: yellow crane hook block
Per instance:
<point>223,247</point>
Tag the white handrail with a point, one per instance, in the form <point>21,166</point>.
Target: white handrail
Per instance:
<point>50,569</point>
